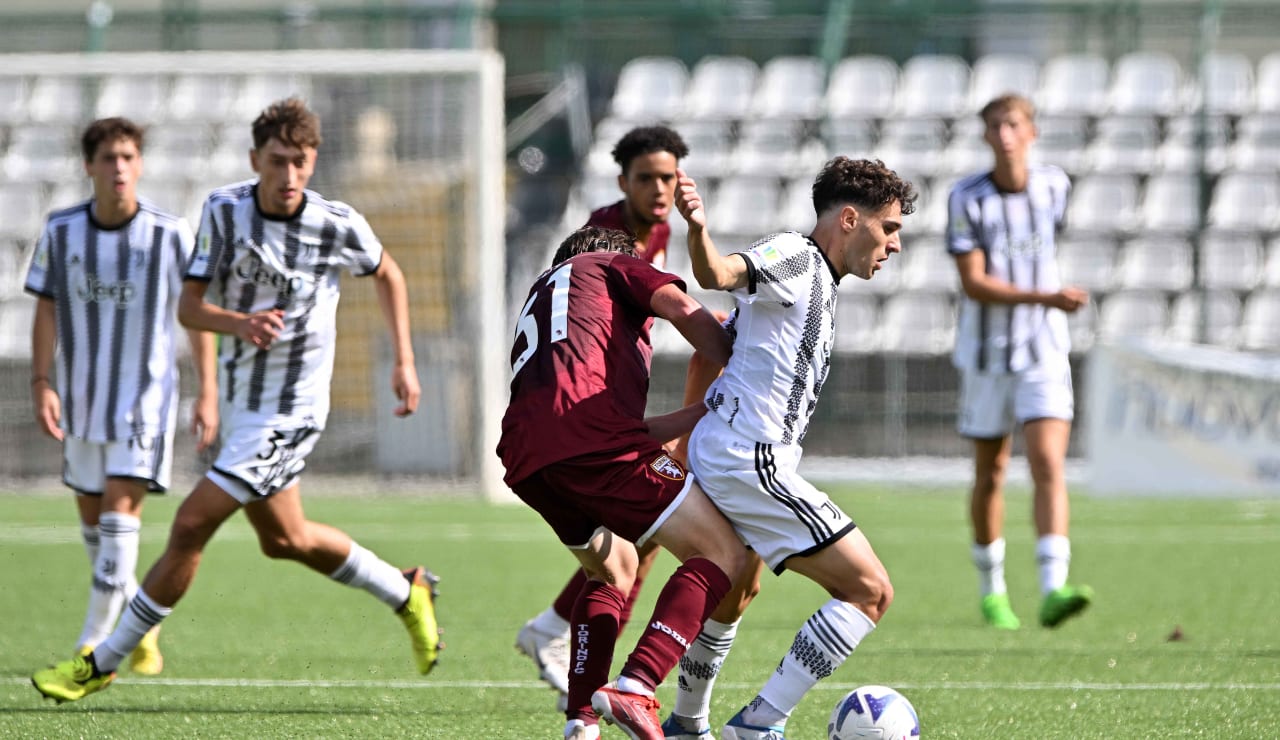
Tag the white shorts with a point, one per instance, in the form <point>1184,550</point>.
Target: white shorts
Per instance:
<point>991,403</point>
<point>261,455</point>
<point>775,511</point>
<point>87,465</point>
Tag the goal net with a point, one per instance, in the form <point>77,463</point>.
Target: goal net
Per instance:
<point>412,139</point>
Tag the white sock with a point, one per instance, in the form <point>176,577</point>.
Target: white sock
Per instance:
<point>1053,553</point>
<point>820,647</point>
<point>550,623</point>
<point>989,559</point>
<point>699,667</point>
<point>365,570</point>
<point>139,617</point>
<point>117,557</point>
<point>89,533</point>
<point>632,686</point>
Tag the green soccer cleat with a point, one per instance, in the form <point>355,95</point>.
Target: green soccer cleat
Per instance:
<point>998,613</point>
<point>71,680</point>
<point>146,659</point>
<point>419,617</point>
<point>1064,602</point>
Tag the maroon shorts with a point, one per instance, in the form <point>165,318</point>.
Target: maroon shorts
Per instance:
<point>628,492</point>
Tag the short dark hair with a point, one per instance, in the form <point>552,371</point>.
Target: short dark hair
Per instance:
<point>866,183</point>
<point>290,121</point>
<point>107,130</point>
<point>647,140</point>
<point>594,239</point>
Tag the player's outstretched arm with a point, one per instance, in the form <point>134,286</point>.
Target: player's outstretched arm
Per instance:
<point>979,286</point>
<point>393,298</point>
<point>694,322</point>
<point>712,271</point>
<point>44,398</point>
<point>204,415</point>
<point>676,424</point>
<point>258,329</point>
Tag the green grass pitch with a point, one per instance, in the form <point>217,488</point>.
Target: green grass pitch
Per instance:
<point>268,649</point>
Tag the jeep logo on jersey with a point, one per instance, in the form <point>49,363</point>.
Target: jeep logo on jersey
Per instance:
<point>668,468</point>
<point>98,291</point>
<point>252,270</point>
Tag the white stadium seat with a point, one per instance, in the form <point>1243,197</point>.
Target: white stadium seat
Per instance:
<point>918,323</point>
<point>13,99</point>
<point>1146,83</point>
<point>857,319</point>
<point>1230,261</point>
<point>650,89</point>
<point>997,74</point>
<point>1257,144</point>
<point>203,97</point>
<point>1103,204</point>
<point>1224,318</point>
<point>1088,262</point>
<point>1063,141</point>
<point>1181,153</point>
<point>790,87</point>
<point>1155,263</point>
<point>57,99</point>
<point>1224,85</point>
<point>862,86</point>
<point>1074,84</point>
<point>1260,326</point>
<point>1171,204</point>
<point>1133,314</point>
<point>48,152</point>
<point>1124,144</point>
<point>1268,88</point>
<point>720,88</point>
<point>1246,202</point>
<point>143,98</point>
<point>933,85</point>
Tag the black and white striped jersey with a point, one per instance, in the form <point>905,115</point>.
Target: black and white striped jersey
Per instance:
<point>1016,232</point>
<point>256,262</point>
<point>783,329</point>
<point>115,293</point>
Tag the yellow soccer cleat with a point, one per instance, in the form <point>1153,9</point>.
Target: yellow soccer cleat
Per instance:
<point>419,617</point>
<point>71,680</point>
<point>146,660</point>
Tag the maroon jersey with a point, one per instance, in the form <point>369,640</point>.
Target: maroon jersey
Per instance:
<point>580,362</point>
<point>615,217</point>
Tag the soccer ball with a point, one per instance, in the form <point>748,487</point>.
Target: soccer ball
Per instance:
<point>873,712</point>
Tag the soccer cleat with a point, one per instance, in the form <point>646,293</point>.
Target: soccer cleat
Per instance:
<point>998,613</point>
<point>736,729</point>
<point>576,729</point>
<point>84,650</point>
<point>1064,602</point>
<point>673,730</point>
<point>146,660</point>
<point>551,654</point>
<point>71,680</point>
<point>419,617</point>
<point>634,714</point>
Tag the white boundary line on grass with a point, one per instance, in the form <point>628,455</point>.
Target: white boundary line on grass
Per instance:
<point>271,683</point>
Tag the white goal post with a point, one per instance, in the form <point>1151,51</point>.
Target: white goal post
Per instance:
<point>412,139</point>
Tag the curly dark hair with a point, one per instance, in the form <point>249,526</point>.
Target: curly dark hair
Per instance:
<point>865,183</point>
<point>647,140</point>
<point>107,130</point>
<point>594,239</point>
<point>290,121</point>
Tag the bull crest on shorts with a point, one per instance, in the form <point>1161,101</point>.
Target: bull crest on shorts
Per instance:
<point>668,468</point>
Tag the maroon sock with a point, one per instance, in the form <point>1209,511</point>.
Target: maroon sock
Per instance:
<point>563,605</point>
<point>689,597</point>
<point>631,602</point>
<point>593,631</point>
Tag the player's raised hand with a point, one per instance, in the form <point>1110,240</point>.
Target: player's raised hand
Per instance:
<point>48,408</point>
<point>689,200</point>
<point>261,329</point>
<point>404,381</point>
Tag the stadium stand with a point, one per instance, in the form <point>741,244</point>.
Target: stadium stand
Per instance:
<point>1260,326</point>
<point>1155,263</point>
<point>1074,85</point>
<point>862,87</point>
<point>790,87</point>
<point>649,88</point>
<point>1223,320</point>
<point>1089,262</point>
<point>1230,261</point>
<point>1104,204</point>
<point>1170,205</point>
<point>857,320</point>
<point>933,85</point>
<point>918,323</point>
<point>1146,83</point>
<point>1133,314</point>
<point>721,87</point>
<point>1124,144</point>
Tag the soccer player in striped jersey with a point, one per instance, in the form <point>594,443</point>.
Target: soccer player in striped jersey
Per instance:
<point>265,275</point>
<point>107,275</point>
<point>1011,351</point>
<point>577,448</point>
<point>746,450</point>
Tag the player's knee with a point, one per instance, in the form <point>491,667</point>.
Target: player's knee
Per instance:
<point>188,532</point>
<point>280,546</point>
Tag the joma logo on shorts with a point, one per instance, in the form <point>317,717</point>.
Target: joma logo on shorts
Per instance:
<point>661,627</point>
<point>664,466</point>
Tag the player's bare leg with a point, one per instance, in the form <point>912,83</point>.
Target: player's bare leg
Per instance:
<point>285,532</point>
<point>1047,441</point>
<point>860,590</point>
<point>986,513</point>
